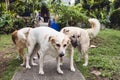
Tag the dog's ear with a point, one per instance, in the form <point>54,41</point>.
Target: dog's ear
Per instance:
<point>52,39</point>
<point>65,31</point>
<point>68,40</point>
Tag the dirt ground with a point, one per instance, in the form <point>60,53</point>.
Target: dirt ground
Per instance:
<point>6,55</point>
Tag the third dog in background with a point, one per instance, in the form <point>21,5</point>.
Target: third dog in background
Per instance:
<point>80,38</point>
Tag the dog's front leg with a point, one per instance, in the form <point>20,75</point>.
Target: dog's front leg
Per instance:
<point>71,60</point>
<point>58,66</point>
<point>27,61</point>
<point>41,61</point>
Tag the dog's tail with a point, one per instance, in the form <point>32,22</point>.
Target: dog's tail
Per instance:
<point>14,36</point>
<point>95,27</point>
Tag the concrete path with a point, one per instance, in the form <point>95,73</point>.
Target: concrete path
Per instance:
<point>50,72</point>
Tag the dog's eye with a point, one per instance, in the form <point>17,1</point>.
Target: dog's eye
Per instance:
<point>64,45</point>
<point>58,45</point>
<point>73,36</point>
<point>78,36</point>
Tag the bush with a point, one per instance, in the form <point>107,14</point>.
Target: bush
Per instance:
<point>70,14</point>
<point>115,18</point>
<point>117,4</point>
<point>8,22</point>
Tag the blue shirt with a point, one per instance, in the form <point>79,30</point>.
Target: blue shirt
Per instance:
<point>54,25</point>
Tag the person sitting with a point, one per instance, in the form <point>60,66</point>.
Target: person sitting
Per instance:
<point>53,24</point>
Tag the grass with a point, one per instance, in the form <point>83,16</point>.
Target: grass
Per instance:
<point>105,58</point>
<point>8,61</point>
<point>12,66</point>
<point>5,40</point>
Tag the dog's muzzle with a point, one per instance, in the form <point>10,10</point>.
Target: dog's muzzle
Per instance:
<point>61,54</point>
<point>74,44</point>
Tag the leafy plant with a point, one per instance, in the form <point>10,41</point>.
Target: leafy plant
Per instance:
<point>25,8</point>
<point>69,14</point>
<point>7,22</point>
<point>115,18</point>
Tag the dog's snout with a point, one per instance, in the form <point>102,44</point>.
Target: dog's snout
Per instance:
<point>74,43</point>
<point>61,54</point>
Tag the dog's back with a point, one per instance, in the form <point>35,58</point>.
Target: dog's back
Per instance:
<point>23,33</point>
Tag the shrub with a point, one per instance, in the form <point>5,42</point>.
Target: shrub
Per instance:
<point>115,18</point>
<point>8,22</point>
<point>70,14</point>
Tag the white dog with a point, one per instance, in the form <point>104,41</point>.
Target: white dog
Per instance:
<point>51,43</point>
<point>19,38</point>
<point>80,38</point>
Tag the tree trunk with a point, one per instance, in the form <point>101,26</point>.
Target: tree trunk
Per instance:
<point>7,3</point>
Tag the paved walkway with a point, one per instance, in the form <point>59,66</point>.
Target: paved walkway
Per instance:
<point>50,72</point>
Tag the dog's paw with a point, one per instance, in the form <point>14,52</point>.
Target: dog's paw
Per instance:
<point>23,64</point>
<point>35,58</point>
<point>28,67</point>
<point>41,72</point>
<point>61,64</point>
<point>85,64</point>
<point>73,69</point>
<point>60,71</point>
<point>34,64</point>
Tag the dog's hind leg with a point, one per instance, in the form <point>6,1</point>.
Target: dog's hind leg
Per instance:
<point>41,61</point>
<point>35,51</point>
<point>28,55</point>
<point>85,53</point>
<point>86,58</point>
<point>21,51</point>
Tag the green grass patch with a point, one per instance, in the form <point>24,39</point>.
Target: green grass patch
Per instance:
<point>8,62</point>
<point>5,40</point>
<point>12,66</point>
<point>105,58</point>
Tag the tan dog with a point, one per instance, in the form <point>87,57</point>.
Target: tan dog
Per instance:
<point>80,38</point>
<point>19,38</point>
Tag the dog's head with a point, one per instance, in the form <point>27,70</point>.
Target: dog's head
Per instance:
<point>74,37</point>
<point>75,40</point>
<point>59,43</point>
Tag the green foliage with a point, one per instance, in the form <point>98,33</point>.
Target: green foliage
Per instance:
<point>9,60</point>
<point>5,40</point>
<point>68,14</point>
<point>8,22</point>
<point>23,7</point>
<point>115,18</point>
<point>117,4</point>
<point>2,8</point>
<point>105,58</point>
